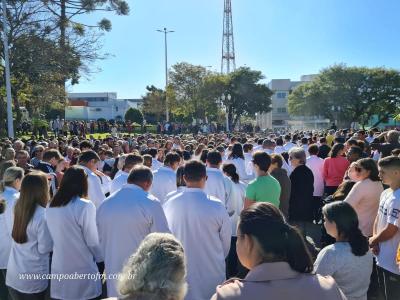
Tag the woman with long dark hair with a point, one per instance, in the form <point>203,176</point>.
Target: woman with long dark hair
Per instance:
<point>236,157</point>
<point>10,184</point>
<point>276,255</point>
<point>71,219</point>
<point>237,196</point>
<point>365,194</point>
<point>32,244</point>
<point>349,260</point>
<point>335,167</point>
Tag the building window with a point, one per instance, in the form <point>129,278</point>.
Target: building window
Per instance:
<point>281,110</point>
<point>116,108</point>
<point>281,95</point>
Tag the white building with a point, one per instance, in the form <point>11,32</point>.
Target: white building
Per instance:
<point>93,106</point>
<point>278,118</point>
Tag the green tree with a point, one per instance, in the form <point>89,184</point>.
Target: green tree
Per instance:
<point>154,104</point>
<point>134,115</point>
<point>77,36</point>
<point>360,93</point>
<point>248,94</point>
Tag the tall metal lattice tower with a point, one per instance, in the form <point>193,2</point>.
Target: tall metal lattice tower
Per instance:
<point>228,46</point>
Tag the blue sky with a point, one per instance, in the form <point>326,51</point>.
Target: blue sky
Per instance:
<point>281,38</point>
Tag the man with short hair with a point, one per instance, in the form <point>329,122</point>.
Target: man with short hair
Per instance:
<point>89,160</point>
<point>49,161</point>
<point>202,224</point>
<point>120,180</point>
<point>264,188</point>
<point>386,230</point>
<point>218,185</point>
<point>124,219</point>
<point>165,177</point>
<point>323,149</point>
<point>268,146</point>
<point>22,158</point>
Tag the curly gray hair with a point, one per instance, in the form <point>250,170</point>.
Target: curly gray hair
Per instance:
<point>156,270</point>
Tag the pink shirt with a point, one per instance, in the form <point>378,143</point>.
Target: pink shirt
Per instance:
<point>364,198</point>
<point>278,281</point>
<point>334,169</point>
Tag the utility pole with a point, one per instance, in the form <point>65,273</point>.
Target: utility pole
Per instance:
<point>165,31</point>
<point>10,120</point>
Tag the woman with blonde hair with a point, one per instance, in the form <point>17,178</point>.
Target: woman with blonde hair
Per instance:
<point>10,185</point>
<point>31,244</point>
<point>156,271</point>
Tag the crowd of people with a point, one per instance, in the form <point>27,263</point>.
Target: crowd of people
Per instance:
<point>306,214</point>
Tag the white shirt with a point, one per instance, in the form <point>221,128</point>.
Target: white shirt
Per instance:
<point>288,146</point>
<point>215,185</point>
<point>316,165</point>
<point>248,158</point>
<point>95,190</point>
<point>164,182</point>
<point>31,257</point>
<point>118,182</point>
<point>241,169</point>
<point>389,213</point>
<point>124,219</point>
<point>10,196</point>
<point>155,164</point>
<point>279,149</point>
<point>76,249</point>
<point>238,196</point>
<point>174,193</point>
<point>202,224</point>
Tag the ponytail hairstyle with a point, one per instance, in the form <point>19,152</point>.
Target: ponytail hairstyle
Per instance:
<point>346,220</point>
<point>34,192</point>
<point>10,175</point>
<point>230,171</point>
<point>179,176</point>
<point>278,240</point>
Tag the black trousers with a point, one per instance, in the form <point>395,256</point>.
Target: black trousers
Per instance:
<point>16,295</point>
<point>4,295</point>
<point>329,190</point>
<point>389,284</point>
<point>233,266</point>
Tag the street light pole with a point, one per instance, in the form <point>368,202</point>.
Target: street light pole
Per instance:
<point>10,125</point>
<point>165,31</point>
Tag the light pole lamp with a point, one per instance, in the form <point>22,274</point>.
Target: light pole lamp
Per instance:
<point>165,31</point>
<point>223,98</point>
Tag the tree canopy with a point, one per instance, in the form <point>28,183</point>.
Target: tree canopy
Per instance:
<point>357,92</point>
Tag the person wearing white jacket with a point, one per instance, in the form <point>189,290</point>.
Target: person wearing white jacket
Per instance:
<point>124,219</point>
<point>237,198</point>
<point>119,181</point>
<point>164,180</point>
<point>217,184</point>
<point>202,225</point>
<point>31,244</point>
<point>9,187</point>
<point>71,220</point>
<point>88,161</point>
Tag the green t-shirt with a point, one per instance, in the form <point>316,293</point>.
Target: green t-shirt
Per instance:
<point>264,189</point>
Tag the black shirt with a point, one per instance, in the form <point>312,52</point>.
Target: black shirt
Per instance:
<point>301,195</point>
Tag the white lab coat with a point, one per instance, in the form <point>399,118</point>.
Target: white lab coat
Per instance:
<point>164,182</point>
<point>95,190</point>
<point>316,165</point>
<point>238,195</point>
<point>215,185</point>
<point>241,169</point>
<point>220,187</point>
<point>288,146</point>
<point>174,193</point>
<point>118,182</point>
<point>202,224</point>
<point>76,249</point>
<point>32,257</point>
<point>155,164</point>
<point>124,219</point>
<point>10,196</point>
<point>279,149</point>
